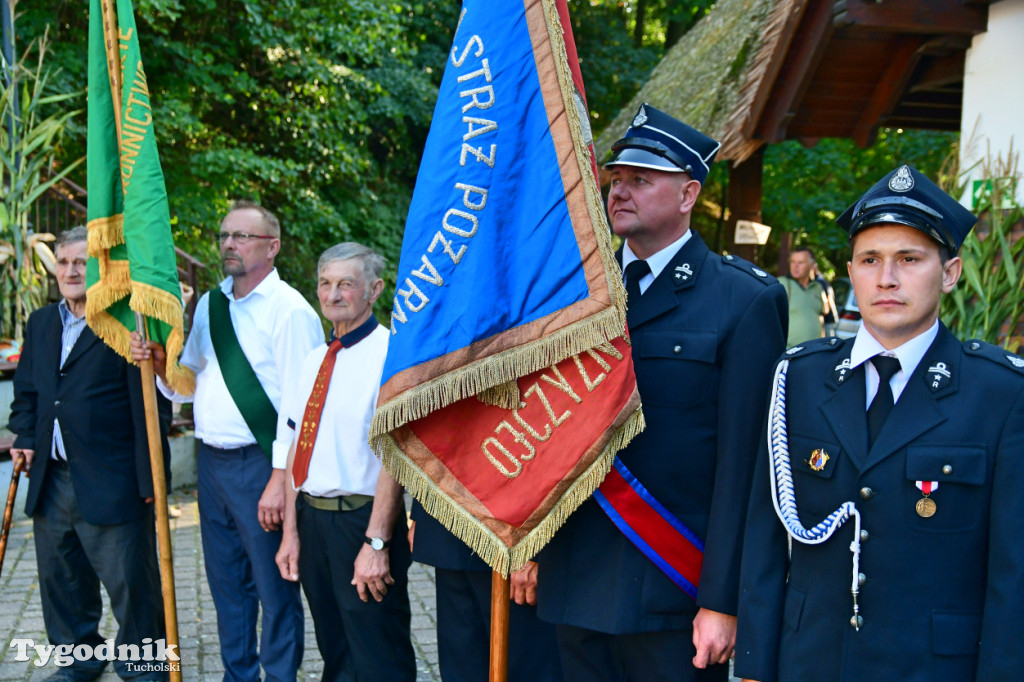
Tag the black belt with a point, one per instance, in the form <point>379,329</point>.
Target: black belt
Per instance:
<point>341,503</point>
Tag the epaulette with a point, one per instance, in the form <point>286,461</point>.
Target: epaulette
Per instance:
<point>830,343</point>
<point>749,268</point>
<point>998,355</point>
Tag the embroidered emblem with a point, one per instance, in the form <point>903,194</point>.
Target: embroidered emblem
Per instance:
<point>938,376</point>
<point>819,458</point>
<point>759,272</point>
<point>903,181</point>
<point>1015,361</point>
<point>683,272</point>
<point>841,371</point>
<point>794,350</point>
<point>640,118</point>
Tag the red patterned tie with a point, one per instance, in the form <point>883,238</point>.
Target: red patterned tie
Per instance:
<point>311,418</point>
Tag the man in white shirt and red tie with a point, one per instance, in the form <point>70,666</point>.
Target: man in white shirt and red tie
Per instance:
<point>344,534</point>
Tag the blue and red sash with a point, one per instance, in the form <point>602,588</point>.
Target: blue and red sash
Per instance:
<point>663,538</point>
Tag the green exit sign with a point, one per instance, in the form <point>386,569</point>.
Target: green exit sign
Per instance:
<point>982,192</point>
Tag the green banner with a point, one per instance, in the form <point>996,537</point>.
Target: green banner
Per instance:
<point>132,265</point>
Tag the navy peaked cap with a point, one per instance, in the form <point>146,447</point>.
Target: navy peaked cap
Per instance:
<point>907,197</point>
<point>659,141</point>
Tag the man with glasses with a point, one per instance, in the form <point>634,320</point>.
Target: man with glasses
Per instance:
<point>248,335</point>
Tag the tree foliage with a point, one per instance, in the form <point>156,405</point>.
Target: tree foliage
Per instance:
<point>317,109</point>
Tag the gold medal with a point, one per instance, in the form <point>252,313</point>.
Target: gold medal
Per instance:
<point>925,507</point>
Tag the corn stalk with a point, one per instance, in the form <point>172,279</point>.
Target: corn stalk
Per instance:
<point>28,168</point>
<point>988,301</point>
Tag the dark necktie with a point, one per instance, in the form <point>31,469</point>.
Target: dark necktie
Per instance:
<point>635,272</point>
<point>882,404</point>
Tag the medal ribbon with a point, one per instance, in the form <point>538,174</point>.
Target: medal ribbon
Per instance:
<point>927,487</point>
<point>311,417</point>
<point>652,528</point>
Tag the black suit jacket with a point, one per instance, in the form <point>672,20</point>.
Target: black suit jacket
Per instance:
<point>97,396</point>
<point>942,596</point>
<point>704,336</point>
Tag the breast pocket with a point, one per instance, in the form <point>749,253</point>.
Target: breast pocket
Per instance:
<point>960,499</point>
<point>675,368</point>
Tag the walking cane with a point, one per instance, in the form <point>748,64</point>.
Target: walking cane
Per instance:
<point>19,463</point>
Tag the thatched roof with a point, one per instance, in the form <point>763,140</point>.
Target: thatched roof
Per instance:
<point>712,76</point>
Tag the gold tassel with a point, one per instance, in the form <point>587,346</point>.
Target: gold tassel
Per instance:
<point>504,395</point>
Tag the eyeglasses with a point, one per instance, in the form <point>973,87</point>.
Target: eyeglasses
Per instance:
<point>241,237</point>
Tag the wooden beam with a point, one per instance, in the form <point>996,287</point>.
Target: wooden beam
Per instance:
<point>801,62</point>
<point>745,186</point>
<point>888,91</point>
<point>913,16</point>
<point>938,73</point>
<point>767,85</point>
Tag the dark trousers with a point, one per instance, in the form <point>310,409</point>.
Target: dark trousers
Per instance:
<point>590,656</point>
<point>75,556</point>
<point>241,571</point>
<point>359,641</point>
<point>463,632</point>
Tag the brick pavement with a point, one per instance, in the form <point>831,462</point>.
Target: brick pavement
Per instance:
<point>21,611</point>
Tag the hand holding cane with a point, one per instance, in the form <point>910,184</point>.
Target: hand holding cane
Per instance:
<point>19,463</point>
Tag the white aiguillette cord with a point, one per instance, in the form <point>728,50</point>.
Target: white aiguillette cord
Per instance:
<point>785,500</point>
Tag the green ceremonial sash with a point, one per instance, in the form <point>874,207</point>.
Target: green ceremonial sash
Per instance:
<point>243,384</point>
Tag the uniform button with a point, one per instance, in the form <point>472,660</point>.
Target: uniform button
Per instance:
<point>677,350</point>
<point>947,469</point>
<point>861,579</point>
<point>832,341</point>
<point>864,536</point>
<point>857,621</point>
<point>975,346</point>
<point>56,403</point>
<point>867,493</point>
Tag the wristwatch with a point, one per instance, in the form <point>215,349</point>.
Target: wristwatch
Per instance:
<point>377,543</point>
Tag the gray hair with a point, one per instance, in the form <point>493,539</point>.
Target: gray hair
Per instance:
<point>373,263</point>
<point>270,220</point>
<point>75,234</point>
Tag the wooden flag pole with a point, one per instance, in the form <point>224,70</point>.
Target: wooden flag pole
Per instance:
<point>499,627</point>
<point>12,493</point>
<point>163,528</point>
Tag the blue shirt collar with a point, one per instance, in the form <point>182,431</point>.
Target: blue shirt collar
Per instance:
<point>357,334</point>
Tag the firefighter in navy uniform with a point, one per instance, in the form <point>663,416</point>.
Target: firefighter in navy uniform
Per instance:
<point>705,332</point>
<point>895,463</point>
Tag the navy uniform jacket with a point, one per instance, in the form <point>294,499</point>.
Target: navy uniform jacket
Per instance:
<point>705,335</point>
<point>943,596</point>
<point>98,397</point>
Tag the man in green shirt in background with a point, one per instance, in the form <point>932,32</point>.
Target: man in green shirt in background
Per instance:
<point>808,301</point>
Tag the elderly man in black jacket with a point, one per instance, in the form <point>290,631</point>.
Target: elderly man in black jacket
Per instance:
<point>79,420</point>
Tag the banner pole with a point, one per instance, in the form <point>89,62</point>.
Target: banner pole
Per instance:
<point>163,529</point>
<point>499,627</point>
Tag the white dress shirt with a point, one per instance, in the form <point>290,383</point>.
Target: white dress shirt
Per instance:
<point>277,329</point>
<point>910,354</point>
<point>342,462</point>
<point>656,262</point>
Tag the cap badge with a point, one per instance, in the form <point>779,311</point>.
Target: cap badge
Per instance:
<point>640,118</point>
<point>903,181</point>
<point>938,376</point>
<point>819,458</point>
<point>1015,361</point>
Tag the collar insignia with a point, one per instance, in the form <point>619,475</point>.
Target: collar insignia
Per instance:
<point>640,118</point>
<point>903,181</point>
<point>683,272</point>
<point>794,350</point>
<point>938,376</point>
<point>842,371</point>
